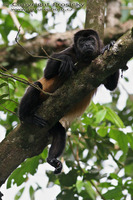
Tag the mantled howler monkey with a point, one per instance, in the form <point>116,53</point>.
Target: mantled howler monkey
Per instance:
<point>86,47</point>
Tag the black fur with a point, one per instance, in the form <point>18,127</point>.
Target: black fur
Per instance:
<point>112,81</point>
<point>86,47</point>
<point>29,104</point>
<point>61,68</point>
<point>58,145</point>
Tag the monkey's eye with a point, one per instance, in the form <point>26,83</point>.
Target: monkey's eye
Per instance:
<point>89,38</point>
<point>82,40</point>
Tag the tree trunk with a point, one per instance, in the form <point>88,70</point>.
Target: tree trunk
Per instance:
<point>113,13</point>
<point>95,16</point>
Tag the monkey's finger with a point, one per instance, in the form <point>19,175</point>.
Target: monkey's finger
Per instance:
<point>66,69</point>
<point>39,121</point>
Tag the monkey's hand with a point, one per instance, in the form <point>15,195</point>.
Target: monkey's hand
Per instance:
<point>66,67</point>
<point>34,119</point>
<point>108,46</point>
<point>60,65</point>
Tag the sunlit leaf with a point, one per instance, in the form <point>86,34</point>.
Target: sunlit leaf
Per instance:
<point>121,138</point>
<point>19,193</point>
<point>100,115</point>
<point>114,118</point>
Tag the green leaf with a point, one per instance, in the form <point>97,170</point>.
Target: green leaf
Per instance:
<point>100,115</point>
<point>121,138</point>
<point>69,163</point>
<point>44,154</point>
<point>3,33</point>
<point>79,185</point>
<point>89,190</point>
<point>3,96</point>
<point>68,179</point>
<point>102,131</point>
<point>92,174</point>
<point>11,84</point>
<point>3,84</point>
<point>129,186</point>
<point>20,174</point>
<point>19,193</point>
<point>115,194</point>
<point>91,132</point>
<point>114,118</point>
<point>105,185</point>
<point>129,170</point>
<point>130,139</point>
<point>32,192</point>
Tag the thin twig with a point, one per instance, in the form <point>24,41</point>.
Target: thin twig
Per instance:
<point>35,56</point>
<point>50,57</point>
<point>13,101</point>
<point>9,110</point>
<point>16,40</point>
<point>22,80</point>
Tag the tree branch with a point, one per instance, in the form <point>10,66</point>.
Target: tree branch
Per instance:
<point>26,140</point>
<point>14,56</point>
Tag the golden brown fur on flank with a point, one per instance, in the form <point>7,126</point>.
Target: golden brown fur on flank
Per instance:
<point>79,108</point>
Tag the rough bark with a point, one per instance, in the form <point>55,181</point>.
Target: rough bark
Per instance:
<point>113,13</point>
<point>27,141</point>
<point>95,16</point>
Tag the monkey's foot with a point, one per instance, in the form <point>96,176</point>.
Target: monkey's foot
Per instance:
<point>55,163</point>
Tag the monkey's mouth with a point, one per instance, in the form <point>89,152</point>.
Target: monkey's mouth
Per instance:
<point>88,50</point>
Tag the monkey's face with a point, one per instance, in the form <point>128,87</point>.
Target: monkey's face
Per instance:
<point>87,47</point>
<point>87,44</point>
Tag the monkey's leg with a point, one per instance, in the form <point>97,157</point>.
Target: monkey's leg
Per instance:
<point>29,104</point>
<point>112,81</point>
<point>57,146</point>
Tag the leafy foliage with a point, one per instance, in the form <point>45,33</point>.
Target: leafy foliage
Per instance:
<point>86,151</point>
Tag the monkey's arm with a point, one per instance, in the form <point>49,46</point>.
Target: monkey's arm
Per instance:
<point>62,67</point>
